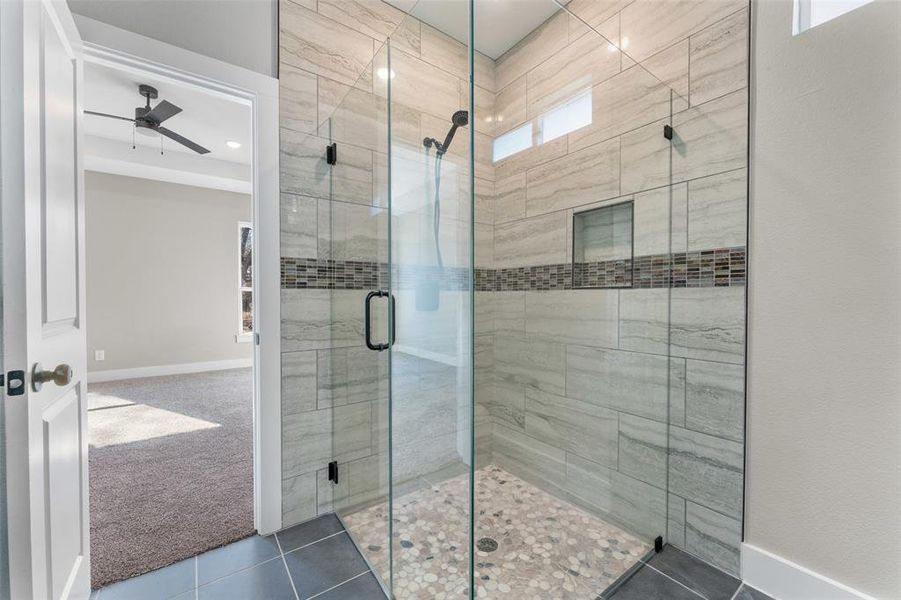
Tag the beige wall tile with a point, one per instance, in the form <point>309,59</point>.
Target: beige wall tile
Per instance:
<point>719,58</point>
<point>297,99</point>
<point>532,157</point>
<point>532,241</point>
<point>623,103</point>
<point>586,317</point>
<point>298,226</point>
<point>524,360</point>
<point>571,72</point>
<point>510,106</point>
<point>320,45</point>
<point>660,220</point>
<point>302,166</point>
<point>595,12</point>
<point>581,428</point>
<point>626,381</point>
<point>670,66</point>
<point>711,137</point>
<point>718,211</point>
<point>645,158</point>
<point>406,37</point>
<point>414,77</point>
<point>650,29</point>
<point>546,40</point>
<point>485,72</point>
<point>298,382</point>
<point>581,177</point>
<point>444,52</point>
<point>373,18</point>
<point>510,198</point>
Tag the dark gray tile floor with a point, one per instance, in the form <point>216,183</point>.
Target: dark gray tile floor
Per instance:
<point>675,575</point>
<point>316,559</point>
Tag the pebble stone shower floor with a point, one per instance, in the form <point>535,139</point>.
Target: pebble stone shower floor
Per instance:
<point>543,543</point>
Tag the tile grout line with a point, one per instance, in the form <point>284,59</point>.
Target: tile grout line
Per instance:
<point>695,592</point>
<point>311,543</point>
<point>287,570</point>
<point>339,585</point>
<point>241,570</point>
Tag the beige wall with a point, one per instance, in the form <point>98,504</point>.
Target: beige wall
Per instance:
<point>162,272</point>
<point>824,408</point>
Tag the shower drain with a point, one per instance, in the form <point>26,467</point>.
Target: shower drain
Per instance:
<point>487,544</point>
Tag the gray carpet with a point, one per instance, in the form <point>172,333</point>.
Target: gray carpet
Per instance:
<point>171,469</point>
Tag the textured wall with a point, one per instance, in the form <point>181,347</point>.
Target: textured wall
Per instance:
<point>162,272</point>
<point>824,483</point>
<point>578,388</point>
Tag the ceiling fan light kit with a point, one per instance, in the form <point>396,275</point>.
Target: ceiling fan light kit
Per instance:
<point>149,120</point>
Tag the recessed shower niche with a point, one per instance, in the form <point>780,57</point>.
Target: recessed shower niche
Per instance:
<point>602,246</point>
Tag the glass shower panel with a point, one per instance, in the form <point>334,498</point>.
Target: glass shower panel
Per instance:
<point>352,375</point>
<point>573,369</point>
<point>430,238</point>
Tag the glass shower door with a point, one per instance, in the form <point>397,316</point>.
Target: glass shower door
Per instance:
<point>431,246</point>
<point>352,375</point>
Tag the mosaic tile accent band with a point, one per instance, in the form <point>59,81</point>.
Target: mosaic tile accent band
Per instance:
<point>720,267</point>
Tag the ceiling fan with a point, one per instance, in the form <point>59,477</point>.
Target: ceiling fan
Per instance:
<point>152,118</point>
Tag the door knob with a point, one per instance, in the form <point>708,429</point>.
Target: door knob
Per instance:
<point>61,376</point>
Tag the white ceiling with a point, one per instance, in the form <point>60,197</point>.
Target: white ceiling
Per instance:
<point>499,24</point>
<point>206,119</point>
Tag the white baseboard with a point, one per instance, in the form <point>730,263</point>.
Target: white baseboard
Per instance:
<point>157,371</point>
<point>785,580</point>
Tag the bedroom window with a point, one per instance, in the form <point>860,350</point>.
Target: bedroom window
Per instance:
<point>245,277</point>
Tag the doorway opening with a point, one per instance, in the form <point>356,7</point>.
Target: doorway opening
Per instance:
<point>169,222</point>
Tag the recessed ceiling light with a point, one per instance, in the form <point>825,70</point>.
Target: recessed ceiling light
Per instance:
<point>233,145</point>
<point>383,73</point>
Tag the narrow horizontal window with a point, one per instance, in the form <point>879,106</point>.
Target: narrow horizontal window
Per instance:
<point>512,142</point>
<point>573,115</point>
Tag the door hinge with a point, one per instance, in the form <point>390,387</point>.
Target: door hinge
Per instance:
<point>15,383</point>
<point>256,338</point>
<point>333,472</point>
<point>331,153</point>
<point>668,132</point>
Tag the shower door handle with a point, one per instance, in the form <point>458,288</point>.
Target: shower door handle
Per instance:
<point>393,334</point>
<point>367,320</point>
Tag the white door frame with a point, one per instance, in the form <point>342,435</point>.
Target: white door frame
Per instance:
<point>123,50</point>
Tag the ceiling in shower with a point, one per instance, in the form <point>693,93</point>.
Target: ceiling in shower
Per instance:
<point>499,24</point>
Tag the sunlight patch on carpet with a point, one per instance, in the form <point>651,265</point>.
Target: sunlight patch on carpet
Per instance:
<point>115,421</point>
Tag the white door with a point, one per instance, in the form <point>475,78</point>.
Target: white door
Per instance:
<point>43,300</point>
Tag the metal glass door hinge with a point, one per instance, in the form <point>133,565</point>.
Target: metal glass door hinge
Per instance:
<point>333,472</point>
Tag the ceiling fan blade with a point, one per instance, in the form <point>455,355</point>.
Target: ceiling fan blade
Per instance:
<point>100,114</point>
<point>182,140</point>
<point>161,112</point>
